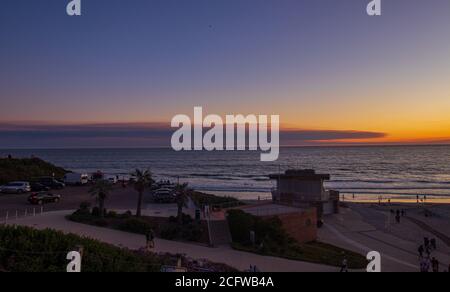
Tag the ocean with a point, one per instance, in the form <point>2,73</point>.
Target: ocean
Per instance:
<point>364,171</point>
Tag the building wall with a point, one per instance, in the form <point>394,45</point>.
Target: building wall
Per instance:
<point>305,190</point>
<point>302,226</point>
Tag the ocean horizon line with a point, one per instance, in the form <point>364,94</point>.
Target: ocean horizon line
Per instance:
<point>282,146</point>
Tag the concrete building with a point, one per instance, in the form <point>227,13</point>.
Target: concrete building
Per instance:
<point>305,189</point>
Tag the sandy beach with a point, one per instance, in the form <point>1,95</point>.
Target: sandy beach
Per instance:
<point>396,199</point>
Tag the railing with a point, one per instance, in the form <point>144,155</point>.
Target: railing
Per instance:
<point>219,206</point>
<point>10,215</point>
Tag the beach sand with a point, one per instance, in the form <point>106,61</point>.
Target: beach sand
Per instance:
<point>397,200</point>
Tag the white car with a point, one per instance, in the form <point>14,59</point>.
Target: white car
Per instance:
<point>112,179</point>
<point>76,179</point>
<point>17,187</point>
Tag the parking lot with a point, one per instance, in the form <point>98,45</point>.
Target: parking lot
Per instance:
<point>71,197</point>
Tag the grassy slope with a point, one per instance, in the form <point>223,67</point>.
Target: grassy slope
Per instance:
<point>26,169</point>
<point>23,249</point>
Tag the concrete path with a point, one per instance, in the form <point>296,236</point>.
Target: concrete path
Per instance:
<point>239,260</point>
<point>367,230</point>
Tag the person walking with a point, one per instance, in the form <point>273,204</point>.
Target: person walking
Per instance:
<point>150,237</point>
<point>421,250</point>
<point>425,265</point>
<point>344,266</point>
<point>397,218</point>
<point>428,251</point>
<point>426,242</point>
<point>435,265</point>
<point>433,243</point>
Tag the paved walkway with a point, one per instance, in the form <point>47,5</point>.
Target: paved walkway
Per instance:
<point>239,260</point>
<point>362,229</point>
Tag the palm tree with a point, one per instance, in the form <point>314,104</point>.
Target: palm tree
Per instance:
<point>100,190</point>
<point>182,192</point>
<point>143,181</point>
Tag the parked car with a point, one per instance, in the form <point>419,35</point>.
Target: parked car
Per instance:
<point>51,183</point>
<point>76,179</point>
<point>43,198</point>
<point>164,196</point>
<point>112,179</point>
<point>37,187</point>
<point>17,187</point>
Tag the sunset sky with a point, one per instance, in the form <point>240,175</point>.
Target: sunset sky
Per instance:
<point>120,72</point>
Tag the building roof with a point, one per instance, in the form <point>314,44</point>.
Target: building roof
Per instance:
<point>301,174</point>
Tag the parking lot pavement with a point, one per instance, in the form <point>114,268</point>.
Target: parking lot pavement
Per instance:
<point>123,198</point>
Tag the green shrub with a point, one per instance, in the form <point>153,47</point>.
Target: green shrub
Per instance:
<point>136,225</point>
<point>271,232</point>
<point>273,240</point>
<point>85,207</point>
<point>126,215</point>
<point>100,222</point>
<point>192,232</point>
<point>96,211</point>
<point>170,231</point>
<point>240,224</point>
<point>81,216</point>
<point>112,214</point>
<point>29,250</point>
<point>186,219</point>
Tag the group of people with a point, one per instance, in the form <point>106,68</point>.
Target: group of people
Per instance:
<point>423,200</point>
<point>398,215</point>
<point>427,261</point>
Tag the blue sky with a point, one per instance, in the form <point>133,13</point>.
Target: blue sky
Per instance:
<point>143,61</point>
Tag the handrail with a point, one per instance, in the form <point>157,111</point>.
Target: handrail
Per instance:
<point>21,213</point>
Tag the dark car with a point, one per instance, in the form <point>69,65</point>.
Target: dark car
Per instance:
<point>43,198</point>
<point>37,187</point>
<point>51,183</point>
